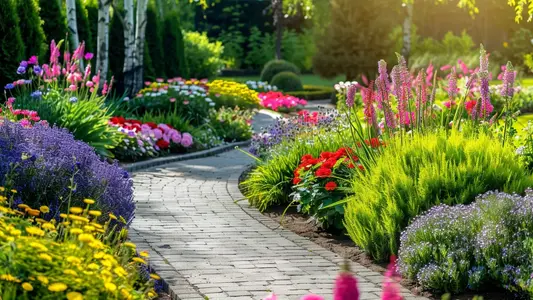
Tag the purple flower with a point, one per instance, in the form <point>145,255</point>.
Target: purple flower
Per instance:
<point>350,95</point>
<point>21,70</point>
<point>509,77</point>
<point>24,64</point>
<point>37,70</point>
<point>37,94</point>
<point>9,86</point>
<point>453,90</point>
<point>89,56</point>
<point>73,99</point>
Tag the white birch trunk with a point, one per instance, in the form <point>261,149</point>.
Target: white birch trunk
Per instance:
<point>406,50</point>
<point>140,32</point>
<point>129,46</point>
<point>72,24</point>
<point>102,57</point>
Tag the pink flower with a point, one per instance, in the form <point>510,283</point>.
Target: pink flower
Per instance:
<point>391,287</point>
<point>147,83</point>
<point>89,84</point>
<point>185,102</point>
<point>271,297</point>
<point>172,99</point>
<point>25,123</point>
<point>33,60</point>
<point>312,297</point>
<point>139,95</point>
<point>159,80</point>
<point>449,104</point>
<point>176,137</point>
<point>346,285</point>
<point>157,133</point>
<point>89,56</point>
<point>72,88</point>
<point>186,140</point>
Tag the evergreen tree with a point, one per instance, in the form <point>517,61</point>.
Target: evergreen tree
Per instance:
<point>91,6</point>
<point>11,46</point>
<point>154,41</point>
<point>148,71</point>
<point>55,21</point>
<point>174,52</point>
<point>356,39</point>
<point>84,29</point>
<point>116,47</point>
<point>30,26</point>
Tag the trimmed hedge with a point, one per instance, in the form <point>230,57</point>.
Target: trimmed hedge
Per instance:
<point>287,82</point>
<point>276,66</point>
<point>314,92</point>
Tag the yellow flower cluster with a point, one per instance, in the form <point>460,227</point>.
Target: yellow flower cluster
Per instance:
<point>77,258</point>
<point>239,91</point>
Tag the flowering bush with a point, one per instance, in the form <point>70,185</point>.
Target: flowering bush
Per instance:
<point>261,86</point>
<point>321,181</point>
<point>78,258</point>
<point>148,139</point>
<point>232,124</point>
<point>277,101</point>
<point>467,247</point>
<point>49,166</point>
<point>230,93</point>
<point>411,175</point>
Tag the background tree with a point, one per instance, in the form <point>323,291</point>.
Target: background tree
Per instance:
<point>154,39</point>
<point>92,16</point>
<point>140,37</point>
<point>356,38</point>
<point>117,51</point>
<point>84,28</point>
<point>128,43</point>
<point>11,46</point>
<point>54,20</point>
<point>174,56</point>
<point>282,9</point>
<point>31,28</point>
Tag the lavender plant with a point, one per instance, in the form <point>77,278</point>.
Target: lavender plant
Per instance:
<point>41,161</point>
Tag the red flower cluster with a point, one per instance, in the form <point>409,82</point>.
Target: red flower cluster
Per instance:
<point>373,142</point>
<point>131,124</point>
<point>324,165</point>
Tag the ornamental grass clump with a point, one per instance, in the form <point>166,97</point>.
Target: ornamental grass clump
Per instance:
<point>415,173</point>
<point>75,258</point>
<point>52,168</point>
<point>470,247</point>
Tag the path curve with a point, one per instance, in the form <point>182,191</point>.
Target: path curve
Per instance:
<point>206,246</point>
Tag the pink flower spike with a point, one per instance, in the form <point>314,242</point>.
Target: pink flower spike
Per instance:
<point>312,297</point>
<point>271,297</point>
<point>346,285</point>
<point>89,84</point>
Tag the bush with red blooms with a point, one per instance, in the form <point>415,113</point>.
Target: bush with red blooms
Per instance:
<point>321,181</point>
<point>148,139</point>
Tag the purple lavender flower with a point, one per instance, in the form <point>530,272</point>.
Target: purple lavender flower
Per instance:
<point>453,90</point>
<point>509,77</point>
<point>350,95</point>
<point>486,106</point>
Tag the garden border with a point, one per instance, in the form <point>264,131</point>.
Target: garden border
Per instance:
<point>155,162</point>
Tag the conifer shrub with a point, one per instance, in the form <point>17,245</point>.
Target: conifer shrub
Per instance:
<point>30,26</point>
<point>11,46</point>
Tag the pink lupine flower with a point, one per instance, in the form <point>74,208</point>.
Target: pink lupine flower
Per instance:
<point>96,78</point>
<point>72,88</point>
<point>449,104</point>
<point>89,84</point>
<point>346,285</point>
<point>147,83</point>
<point>508,81</point>
<point>391,287</point>
<point>78,53</point>
<point>104,89</point>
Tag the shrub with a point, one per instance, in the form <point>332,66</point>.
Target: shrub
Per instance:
<point>31,27</point>
<point>84,28</point>
<point>232,124</point>
<point>287,82</point>
<point>54,20</point>
<point>49,166</point>
<point>314,92</point>
<point>273,67</point>
<point>468,247</point>
<point>414,174</point>
<point>67,260</point>
<point>203,57</point>
<point>260,49</point>
<point>154,41</point>
<point>11,46</point>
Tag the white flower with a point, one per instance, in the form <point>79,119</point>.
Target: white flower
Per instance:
<point>520,150</point>
<point>211,104</point>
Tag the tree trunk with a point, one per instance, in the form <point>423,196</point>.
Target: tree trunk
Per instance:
<point>102,59</point>
<point>72,24</point>
<point>129,47</point>
<point>140,32</point>
<point>406,50</point>
<point>277,7</point>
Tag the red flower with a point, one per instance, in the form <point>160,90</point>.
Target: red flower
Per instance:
<point>162,144</point>
<point>373,142</point>
<point>361,167</point>
<point>296,180</point>
<point>323,172</point>
<point>326,155</point>
<point>331,186</point>
<point>330,163</point>
<point>470,106</point>
<point>152,125</point>
<point>307,157</point>
<point>351,166</point>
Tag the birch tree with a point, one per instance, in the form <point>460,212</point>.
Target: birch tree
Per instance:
<point>102,57</point>
<point>72,23</point>
<point>129,46</point>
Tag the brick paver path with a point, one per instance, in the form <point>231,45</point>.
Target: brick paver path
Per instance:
<point>206,246</point>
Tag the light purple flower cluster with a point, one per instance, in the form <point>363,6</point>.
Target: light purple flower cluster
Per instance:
<point>466,246</point>
<point>509,77</point>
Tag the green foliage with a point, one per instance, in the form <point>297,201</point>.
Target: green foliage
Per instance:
<point>233,41</point>
<point>173,44</point>
<point>84,28</point>
<point>355,38</point>
<point>11,46</point>
<point>204,58</point>
<point>261,49</point>
<point>92,16</point>
<point>299,48</point>
<point>314,92</point>
<point>54,20</point>
<point>287,81</point>
<point>414,174</point>
<point>273,67</point>
<point>155,42</point>
<point>148,71</point>
<point>231,124</point>
<point>172,118</point>
<point>519,45</point>
<point>116,52</point>
<point>31,27</point>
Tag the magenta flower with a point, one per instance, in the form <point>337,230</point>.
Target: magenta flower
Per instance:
<point>33,60</point>
<point>350,95</point>
<point>312,297</point>
<point>508,81</point>
<point>453,90</point>
<point>346,285</point>
<point>186,140</point>
<point>89,56</point>
<point>391,287</point>
<point>271,297</point>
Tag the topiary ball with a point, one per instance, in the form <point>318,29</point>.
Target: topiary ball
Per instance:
<point>287,82</point>
<point>273,67</point>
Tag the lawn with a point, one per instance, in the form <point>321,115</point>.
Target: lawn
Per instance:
<point>307,79</point>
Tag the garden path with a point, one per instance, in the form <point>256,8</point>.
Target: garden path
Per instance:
<point>209,244</point>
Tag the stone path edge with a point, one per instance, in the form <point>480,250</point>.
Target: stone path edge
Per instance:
<point>159,161</point>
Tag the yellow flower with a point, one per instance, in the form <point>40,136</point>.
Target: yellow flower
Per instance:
<point>27,286</point>
<point>70,272</point>
<point>88,228</point>
<point>86,237</point>
<point>57,287</point>
<point>42,279</point>
<point>76,231</point>
<point>38,246</point>
<point>78,218</point>
<point>88,201</point>
<point>151,294</point>
<point>33,212</point>
<point>3,198</point>
<point>2,189</point>
<point>45,256</point>
<point>14,191</point>
<point>112,216</point>
<point>74,296</point>
<point>9,277</point>
<point>64,216</point>
<point>23,206</point>
<point>95,213</point>
<point>130,245</point>
<point>15,232</point>
<point>155,276</point>
<point>44,209</point>
<point>505,45</point>
<point>96,244</point>
<point>93,266</point>
<point>120,271</point>
<point>39,220</point>
<point>73,259</point>
<point>99,255</point>
<point>139,260</point>
<point>144,254</point>
<point>125,294</point>
<point>110,286</point>
<point>76,210</point>
<point>49,226</point>
<point>34,231</point>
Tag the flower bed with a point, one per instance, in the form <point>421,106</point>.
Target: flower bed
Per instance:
<point>277,101</point>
